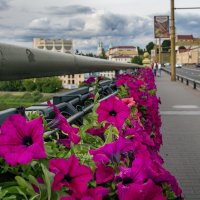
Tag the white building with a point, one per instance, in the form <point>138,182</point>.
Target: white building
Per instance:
<point>59,45</point>
<point>122,54</point>
<point>63,46</point>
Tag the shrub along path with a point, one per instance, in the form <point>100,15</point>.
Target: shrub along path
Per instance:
<point>180,111</point>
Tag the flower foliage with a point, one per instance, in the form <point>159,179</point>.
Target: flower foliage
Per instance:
<point>21,141</point>
<point>114,154</point>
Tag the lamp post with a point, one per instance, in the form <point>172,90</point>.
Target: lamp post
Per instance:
<point>172,38</point>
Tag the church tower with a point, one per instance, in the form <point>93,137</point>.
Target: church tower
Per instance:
<point>100,48</point>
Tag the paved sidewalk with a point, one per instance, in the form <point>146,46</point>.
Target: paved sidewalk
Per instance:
<point>180,112</point>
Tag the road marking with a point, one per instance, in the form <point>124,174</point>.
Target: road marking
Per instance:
<point>185,106</point>
<point>183,113</point>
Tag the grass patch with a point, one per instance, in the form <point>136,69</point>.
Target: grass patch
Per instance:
<point>24,99</point>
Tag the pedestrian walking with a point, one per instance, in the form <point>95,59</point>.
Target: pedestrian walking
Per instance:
<point>155,67</point>
<point>159,69</point>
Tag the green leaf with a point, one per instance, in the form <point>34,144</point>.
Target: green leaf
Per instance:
<point>167,190</point>
<point>21,181</point>
<point>110,133</point>
<point>2,193</point>
<point>48,179</point>
<point>34,197</point>
<point>24,184</point>
<point>33,180</point>
<point>96,98</point>
<point>20,191</point>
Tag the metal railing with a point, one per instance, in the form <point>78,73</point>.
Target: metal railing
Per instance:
<point>20,62</point>
<point>182,78</point>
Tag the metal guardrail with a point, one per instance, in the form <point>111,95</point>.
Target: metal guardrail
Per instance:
<point>182,78</point>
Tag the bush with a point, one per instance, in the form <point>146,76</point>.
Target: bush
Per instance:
<point>29,85</point>
<point>48,85</point>
<point>137,60</point>
<point>11,86</point>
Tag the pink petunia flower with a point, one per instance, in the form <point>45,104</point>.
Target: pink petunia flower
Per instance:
<point>98,131</point>
<point>129,101</point>
<point>92,194</point>
<point>112,151</point>
<point>71,174</point>
<point>90,80</point>
<point>104,173</point>
<point>114,111</point>
<point>136,183</point>
<point>144,169</point>
<point>140,191</point>
<point>21,141</point>
<point>61,123</point>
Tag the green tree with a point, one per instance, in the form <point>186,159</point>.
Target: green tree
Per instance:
<point>149,47</point>
<point>103,54</point>
<point>182,47</point>
<point>137,60</point>
<point>166,45</point>
<point>11,86</point>
<point>29,85</point>
<point>48,85</point>
<point>90,55</point>
<point>140,51</point>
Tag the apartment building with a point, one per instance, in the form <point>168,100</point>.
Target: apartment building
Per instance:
<point>62,46</point>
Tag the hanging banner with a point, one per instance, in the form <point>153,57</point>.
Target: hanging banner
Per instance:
<point>161,26</point>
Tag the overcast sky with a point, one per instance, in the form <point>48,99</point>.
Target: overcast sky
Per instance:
<point>123,22</point>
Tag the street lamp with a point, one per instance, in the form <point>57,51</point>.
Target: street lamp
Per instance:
<point>172,38</point>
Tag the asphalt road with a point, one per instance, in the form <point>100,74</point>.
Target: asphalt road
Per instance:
<point>193,73</point>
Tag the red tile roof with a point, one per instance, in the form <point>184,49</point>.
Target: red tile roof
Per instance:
<point>185,37</point>
<point>123,47</point>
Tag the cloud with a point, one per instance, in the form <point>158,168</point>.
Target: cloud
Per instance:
<point>113,24</point>
<point>41,23</point>
<point>4,5</point>
<point>188,24</point>
<point>86,26</point>
<point>87,31</point>
<point>70,10</point>
<point>76,25</point>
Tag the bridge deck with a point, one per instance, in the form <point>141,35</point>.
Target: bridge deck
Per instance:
<point>180,110</point>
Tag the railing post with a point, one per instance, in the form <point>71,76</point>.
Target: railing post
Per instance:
<point>187,82</point>
<point>195,85</point>
<point>181,79</point>
<point>116,73</point>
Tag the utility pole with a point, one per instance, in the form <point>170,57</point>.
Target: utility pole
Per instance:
<point>160,50</point>
<point>172,37</point>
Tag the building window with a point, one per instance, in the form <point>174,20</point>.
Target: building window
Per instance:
<point>69,82</point>
<point>72,81</point>
<point>79,76</point>
<point>68,76</point>
<point>73,76</point>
